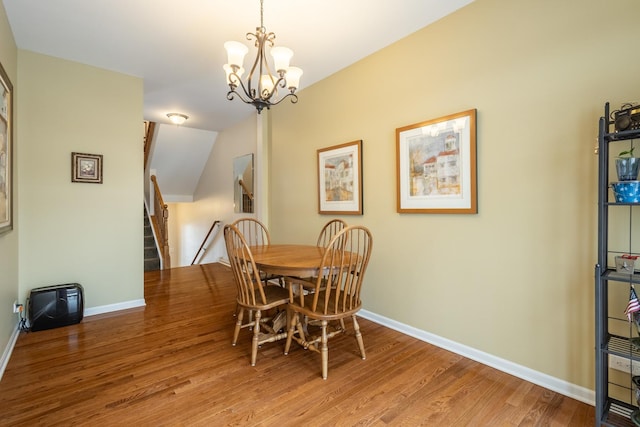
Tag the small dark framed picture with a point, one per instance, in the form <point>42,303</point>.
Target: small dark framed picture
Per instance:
<point>86,168</point>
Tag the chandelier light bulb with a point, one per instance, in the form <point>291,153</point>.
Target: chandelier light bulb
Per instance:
<point>266,83</point>
<point>293,78</point>
<point>281,57</point>
<point>235,53</point>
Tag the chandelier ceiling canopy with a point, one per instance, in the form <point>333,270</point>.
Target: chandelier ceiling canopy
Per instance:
<point>260,88</point>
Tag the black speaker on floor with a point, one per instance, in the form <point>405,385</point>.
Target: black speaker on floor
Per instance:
<point>54,306</point>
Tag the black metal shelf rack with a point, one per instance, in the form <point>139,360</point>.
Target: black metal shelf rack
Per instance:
<point>612,409</point>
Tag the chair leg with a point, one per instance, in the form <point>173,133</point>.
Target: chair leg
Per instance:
<point>356,328</point>
<point>324,350</point>
<point>256,336</point>
<point>302,331</point>
<point>236,332</point>
<point>292,318</point>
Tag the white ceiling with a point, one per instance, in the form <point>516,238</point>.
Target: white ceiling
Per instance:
<point>177,47</point>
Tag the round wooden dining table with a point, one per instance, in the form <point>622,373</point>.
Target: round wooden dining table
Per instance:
<point>288,260</point>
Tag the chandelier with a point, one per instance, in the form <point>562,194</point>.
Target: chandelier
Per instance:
<point>261,85</point>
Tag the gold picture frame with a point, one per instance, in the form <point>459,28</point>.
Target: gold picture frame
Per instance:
<point>340,179</point>
<point>86,168</point>
<point>6,152</point>
<point>436,165</point>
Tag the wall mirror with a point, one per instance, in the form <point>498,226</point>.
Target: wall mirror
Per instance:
<point>243,184</point>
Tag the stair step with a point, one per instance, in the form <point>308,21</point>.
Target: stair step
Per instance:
<point>152,264</point>
<point>150,253</point>
<point>151,258</point>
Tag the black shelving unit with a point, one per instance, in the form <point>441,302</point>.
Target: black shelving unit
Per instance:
<point>615,393</point>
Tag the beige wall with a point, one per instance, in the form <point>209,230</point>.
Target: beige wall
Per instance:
<point>8,241</point>
<point>213,198</point>
<point>77,232</point>
<point>515,280</point>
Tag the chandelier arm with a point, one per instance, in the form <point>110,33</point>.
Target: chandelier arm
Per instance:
<point>281,82</point>
<point>258,45</point>
<point>247,98</point>
<point>233,93</point>
<point>261,40</point>
<point>294,98</point>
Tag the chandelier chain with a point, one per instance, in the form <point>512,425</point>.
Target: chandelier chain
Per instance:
<point>261,13</point>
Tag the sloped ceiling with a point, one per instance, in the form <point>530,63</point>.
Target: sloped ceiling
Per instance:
<point>177,49</point>
<point>174,148</point>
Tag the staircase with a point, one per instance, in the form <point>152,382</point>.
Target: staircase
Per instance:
<point>151,257</point>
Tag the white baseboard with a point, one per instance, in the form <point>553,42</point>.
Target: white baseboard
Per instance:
<point>6,354</point>
<point>547,381</point>
<point>87,312</point>
<point>114,307</point>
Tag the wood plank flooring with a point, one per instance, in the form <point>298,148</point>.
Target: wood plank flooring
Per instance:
<point>171,364</point>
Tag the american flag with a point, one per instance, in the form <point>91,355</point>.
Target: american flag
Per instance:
<point>633,306</point>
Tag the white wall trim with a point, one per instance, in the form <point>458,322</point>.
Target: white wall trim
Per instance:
<point>114,307</point>
<point>6,354</point>
<point>547,381</point>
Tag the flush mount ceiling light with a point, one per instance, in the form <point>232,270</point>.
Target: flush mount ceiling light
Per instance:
<point>177,118</point>
<point>261,86</point>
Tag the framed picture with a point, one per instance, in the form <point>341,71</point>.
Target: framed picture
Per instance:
<point>436,165</point>
<point>86,168</point>
<point>340,179</point>
<point>6,152</point>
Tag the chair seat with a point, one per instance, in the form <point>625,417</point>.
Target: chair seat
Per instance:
<point>275,295</point>
<point>307,308</point>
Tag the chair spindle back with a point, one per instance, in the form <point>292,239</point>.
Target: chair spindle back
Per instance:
<point>342,272</point>
<point>248,282</point>
<point>254,232</point>
<point>329,230</point>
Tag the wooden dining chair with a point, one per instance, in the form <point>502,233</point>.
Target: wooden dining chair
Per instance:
<point>329,230</point>
<point>335,295</point>
<point>256,233</point>
<point>254,297</point>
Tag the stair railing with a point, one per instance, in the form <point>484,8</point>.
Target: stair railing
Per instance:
<point>204,241</point>
<point>247,197</point>
<point>149,129</point>
<point>160,222</point>
<point>245,189</point>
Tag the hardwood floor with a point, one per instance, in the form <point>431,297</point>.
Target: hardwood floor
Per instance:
<point>171,363</point>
